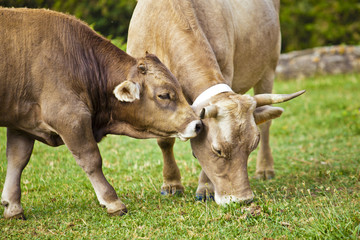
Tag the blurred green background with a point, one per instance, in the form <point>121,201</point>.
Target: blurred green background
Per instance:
<point>304,23</point>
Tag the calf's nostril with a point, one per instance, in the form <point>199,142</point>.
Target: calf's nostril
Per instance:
<point>198,127</point>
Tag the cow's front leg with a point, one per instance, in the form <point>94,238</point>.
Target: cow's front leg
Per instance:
<point>205,190</point>
<point>83,146</point>
<point>171,173</point>
<point>18,151</point>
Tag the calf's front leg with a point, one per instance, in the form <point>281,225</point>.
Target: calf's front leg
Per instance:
<point>83,146</point>
<point>18,151</point>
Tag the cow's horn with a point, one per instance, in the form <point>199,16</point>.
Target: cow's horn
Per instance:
<point>267,99</point>
<point>208,112</point>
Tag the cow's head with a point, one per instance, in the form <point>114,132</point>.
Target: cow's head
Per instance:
<point>154,102</point>
<point>230,134</point>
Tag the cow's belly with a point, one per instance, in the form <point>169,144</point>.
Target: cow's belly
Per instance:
<point>43,135</point>
<point>250,72</point>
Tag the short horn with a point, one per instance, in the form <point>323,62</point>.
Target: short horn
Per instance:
<point>267,99</point>
<point>208,112</point>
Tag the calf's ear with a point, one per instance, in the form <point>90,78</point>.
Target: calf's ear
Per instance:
<point>266,113</point>
<point>127,91</point>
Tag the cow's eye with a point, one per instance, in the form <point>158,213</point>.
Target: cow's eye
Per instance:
<point>165,96</point>
<point>217,151</point>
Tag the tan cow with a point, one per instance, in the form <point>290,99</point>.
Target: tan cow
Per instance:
<point>61,83</point>
<point>210,46</point>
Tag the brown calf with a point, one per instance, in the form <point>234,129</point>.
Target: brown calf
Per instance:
<point>61,83</point>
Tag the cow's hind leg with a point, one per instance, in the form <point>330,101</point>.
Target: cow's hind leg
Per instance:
<point>171,173</point>
<point>265,162</point>
<point>18,152</point>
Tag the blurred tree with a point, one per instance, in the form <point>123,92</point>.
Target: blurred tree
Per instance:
<point>304,24</point>
<point>311,23</point>
<point>109,17</point>
<point>27,3</point>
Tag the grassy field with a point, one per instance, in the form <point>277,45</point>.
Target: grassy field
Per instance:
<point>315,195</point>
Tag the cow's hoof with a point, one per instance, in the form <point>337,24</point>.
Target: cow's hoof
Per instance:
<point>176,189</point>
<point>265,175</point>
<point>205,197</point>
<point>205,192</point>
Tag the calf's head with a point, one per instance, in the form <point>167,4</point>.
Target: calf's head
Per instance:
<point>154,102</point>
<point>230,134</point>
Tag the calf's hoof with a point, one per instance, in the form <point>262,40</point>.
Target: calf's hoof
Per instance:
<point>120,212</point>
<point>265,174</point>
<point>13,211</point>
<point>16,216</point>
<point>117,208</point>
<point>172,189</point>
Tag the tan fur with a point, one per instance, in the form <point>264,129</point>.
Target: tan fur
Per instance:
<point>236,42</point>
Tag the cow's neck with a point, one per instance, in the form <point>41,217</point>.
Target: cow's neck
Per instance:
<point>195,72</point>
<point>190,56</point>
<point>199,78</point>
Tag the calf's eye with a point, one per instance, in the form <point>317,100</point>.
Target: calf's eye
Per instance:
<point>165,96</point>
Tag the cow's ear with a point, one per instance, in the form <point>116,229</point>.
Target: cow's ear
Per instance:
<point>266,113</point>
<point>127,91</point>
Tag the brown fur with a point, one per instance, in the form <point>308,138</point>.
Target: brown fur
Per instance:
<point>57,83</point>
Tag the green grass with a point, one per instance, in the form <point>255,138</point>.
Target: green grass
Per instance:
<point>315,195</point>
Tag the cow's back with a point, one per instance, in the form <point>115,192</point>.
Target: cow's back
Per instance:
<point>245,37</point>
<point>18,45</point>
<point>213,41</point>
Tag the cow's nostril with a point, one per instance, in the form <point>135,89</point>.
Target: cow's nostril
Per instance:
<point>198,127</point>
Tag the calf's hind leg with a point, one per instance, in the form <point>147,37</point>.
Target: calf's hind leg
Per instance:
<point>18,151</point>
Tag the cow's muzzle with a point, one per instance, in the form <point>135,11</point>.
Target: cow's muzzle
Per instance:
<point>226,199</point>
